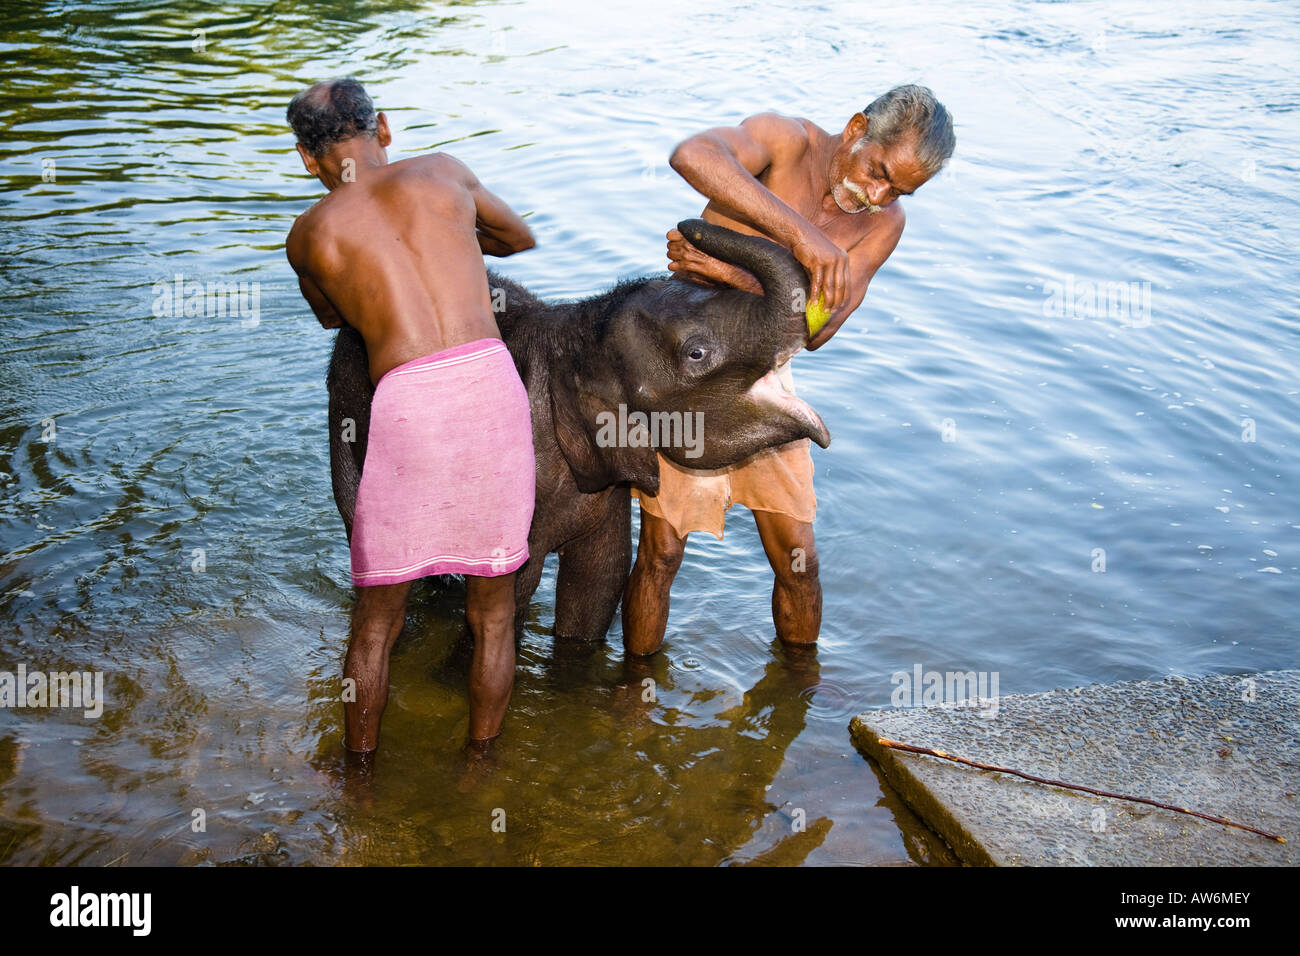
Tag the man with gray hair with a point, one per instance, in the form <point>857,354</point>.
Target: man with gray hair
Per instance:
<point>788,180</point>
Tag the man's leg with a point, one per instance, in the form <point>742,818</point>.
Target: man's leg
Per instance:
<point>645,600</point>
<point>797,591</point>
<point>490,607</point>
<point>376,622</point>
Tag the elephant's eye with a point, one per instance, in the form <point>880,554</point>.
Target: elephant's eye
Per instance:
<point>698,354</point>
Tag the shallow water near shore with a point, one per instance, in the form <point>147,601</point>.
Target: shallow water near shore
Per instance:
<point>1024,480</point>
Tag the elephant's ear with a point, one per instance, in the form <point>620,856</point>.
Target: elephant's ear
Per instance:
<point>579,412</point>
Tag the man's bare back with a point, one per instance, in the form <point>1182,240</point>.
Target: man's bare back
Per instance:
<point>397,255</point>
<point>396,251</point>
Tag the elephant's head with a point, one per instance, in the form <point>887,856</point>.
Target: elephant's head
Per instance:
<point>672,366</point>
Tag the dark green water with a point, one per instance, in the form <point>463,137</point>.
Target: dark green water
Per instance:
<point>1097,143</point>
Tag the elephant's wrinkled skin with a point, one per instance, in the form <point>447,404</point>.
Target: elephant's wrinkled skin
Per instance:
<point>650,344</point>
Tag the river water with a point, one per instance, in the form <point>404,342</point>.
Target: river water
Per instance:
<point>1025,479</point>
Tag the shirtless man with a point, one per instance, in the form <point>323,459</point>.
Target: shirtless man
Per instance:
<point>395,250</point>
<point>791,181</point>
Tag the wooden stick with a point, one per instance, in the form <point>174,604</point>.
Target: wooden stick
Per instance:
<point>895,745</point>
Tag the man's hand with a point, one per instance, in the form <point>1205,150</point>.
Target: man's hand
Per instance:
<point>865,257</point>
<point>686,259</point>
<point>827,266</point>
<point>724,164</point>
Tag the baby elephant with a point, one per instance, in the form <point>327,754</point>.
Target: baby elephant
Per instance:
<point>655,364</point>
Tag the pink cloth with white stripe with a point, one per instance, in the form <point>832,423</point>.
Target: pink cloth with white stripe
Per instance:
<point>448,481</point>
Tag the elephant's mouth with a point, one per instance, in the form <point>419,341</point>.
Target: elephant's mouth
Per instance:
<point>793,341</point>
<point>771,393</point>
<point>789,352</point>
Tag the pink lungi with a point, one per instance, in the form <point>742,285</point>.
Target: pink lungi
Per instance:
<point>448,481</point>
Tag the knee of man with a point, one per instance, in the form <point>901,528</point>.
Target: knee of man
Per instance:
<point>492,618</point>
<point>802,570</point>
<point>376,623</point>
<point>661,558</point>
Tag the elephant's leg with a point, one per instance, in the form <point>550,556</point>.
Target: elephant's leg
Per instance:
<point>527,578</point>
<point>350,392</point>
<point>593,572</point>
<point>349,427</point>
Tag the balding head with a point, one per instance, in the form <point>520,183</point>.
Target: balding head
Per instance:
<point>331,112</point>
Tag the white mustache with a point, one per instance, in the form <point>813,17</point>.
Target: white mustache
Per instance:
<point>860,196</point>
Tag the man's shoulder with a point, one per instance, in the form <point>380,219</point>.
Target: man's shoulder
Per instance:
<point>884,229</point>
<point>786,136</point>
<point>435,177</point>
<point>896,217</point>
<point>298,241</point>
<point>320,217</point>
<point>435,169</point>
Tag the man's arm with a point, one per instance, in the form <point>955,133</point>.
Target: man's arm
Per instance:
<point>501,231</point>
<point>723,164</point>
<point>865,258</point>
<point>326,314</point>
<point>296,251</point>
<point>684,257</point>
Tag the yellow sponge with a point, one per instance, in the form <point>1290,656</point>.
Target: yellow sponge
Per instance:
<point>817,315</point>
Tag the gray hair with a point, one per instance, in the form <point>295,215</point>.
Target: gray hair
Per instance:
<point>913,111</point>
<point>330,112</point>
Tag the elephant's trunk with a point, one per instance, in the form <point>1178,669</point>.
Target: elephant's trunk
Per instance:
<point>784,282</point>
